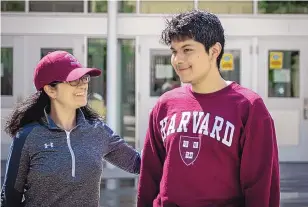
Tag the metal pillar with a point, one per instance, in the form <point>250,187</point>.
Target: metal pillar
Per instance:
<point>113,79</point>
<point>113,72</point>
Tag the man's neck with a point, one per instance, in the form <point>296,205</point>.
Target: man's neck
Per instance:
<point>212,83</point>
<point>63,117</point>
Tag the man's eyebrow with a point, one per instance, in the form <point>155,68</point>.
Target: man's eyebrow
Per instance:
<point>186,45</point>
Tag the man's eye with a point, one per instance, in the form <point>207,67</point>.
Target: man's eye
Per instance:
<point>187,50</point>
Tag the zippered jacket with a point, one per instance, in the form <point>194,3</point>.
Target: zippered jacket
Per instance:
<point>48,166</point>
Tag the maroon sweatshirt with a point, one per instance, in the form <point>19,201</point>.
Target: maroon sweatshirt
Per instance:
<point>203,150</point>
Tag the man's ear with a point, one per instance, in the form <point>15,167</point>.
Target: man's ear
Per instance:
<point>50,91</point>
<point>215,50</point>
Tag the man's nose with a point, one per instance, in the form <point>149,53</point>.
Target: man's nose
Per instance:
<point>179,59</point>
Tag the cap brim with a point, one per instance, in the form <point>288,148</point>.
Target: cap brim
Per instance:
<point>79,72</point>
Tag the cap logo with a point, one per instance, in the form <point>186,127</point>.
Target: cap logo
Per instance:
<point>72,59</point>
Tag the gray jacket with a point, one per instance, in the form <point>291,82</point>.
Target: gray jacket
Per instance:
<point>53,167</point>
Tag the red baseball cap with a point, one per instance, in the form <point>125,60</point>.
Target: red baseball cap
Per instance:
<point>60,66</point>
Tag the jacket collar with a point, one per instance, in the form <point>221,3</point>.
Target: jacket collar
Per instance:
<point>80,119</point>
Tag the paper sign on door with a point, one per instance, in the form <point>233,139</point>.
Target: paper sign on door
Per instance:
<point>276,60</point>
<point>227,62</point>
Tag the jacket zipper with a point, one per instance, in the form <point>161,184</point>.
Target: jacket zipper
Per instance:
<point>68,140</point>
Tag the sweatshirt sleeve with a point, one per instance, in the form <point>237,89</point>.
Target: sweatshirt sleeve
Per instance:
<point>152,161</point>
<point>119,153</point>
<point>259,173</point>
<point>16,172</point>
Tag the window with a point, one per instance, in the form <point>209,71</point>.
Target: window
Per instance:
<point>163,7</point>
<point>127,48</point>
<point>101,6</point>
<point>230,67</point>
<point>126,183</point>
<point>103,183</point>
<point>283,73</point>
<point>283,7</point>
<point>56,6</point>
<point>6,71</point>
<point>97,6</point>
<point>13,6</point>
<point>163,77</point>
<point>97,58</point>
<point>227,7</point>
<point>45,51</point>
<point>128,6</point>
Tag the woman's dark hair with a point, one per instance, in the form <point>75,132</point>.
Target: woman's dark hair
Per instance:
<point>32,110</point>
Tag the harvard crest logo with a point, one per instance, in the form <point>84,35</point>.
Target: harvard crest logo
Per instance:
<point>189,149</point>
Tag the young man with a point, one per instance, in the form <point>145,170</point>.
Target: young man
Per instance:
<point>211,142</point>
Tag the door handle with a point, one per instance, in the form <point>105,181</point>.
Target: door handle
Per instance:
<point>305,111</point>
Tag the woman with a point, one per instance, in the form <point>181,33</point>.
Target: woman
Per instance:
<point>59,142</point>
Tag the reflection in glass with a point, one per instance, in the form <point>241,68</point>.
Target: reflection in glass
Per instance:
<point>163,78</point>
<point>128,6</point>
<point>283,73</point>
<point>128,129</point>
<point>227,7</point>
<point>101,6</point>
<point>127,182</point>
<point>97,6</point>
<point>230,67</point>
<point>283,7</point>
<point>97,58</point>
<point>45,51</point>
<point>165,7</point>
<point>7,71</point>
<point>13,6</point>
<point>56,6</point>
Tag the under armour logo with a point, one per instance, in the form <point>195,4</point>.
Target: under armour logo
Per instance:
<point>48,145</point>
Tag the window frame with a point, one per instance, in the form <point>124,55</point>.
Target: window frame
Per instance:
<point>51,4</point>
<point>7,11</point>
<point>7,101</point>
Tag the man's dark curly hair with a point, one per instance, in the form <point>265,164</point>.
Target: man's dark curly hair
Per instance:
<point>201,26</point>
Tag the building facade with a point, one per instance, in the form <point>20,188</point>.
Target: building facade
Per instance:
<point>266,50</point>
